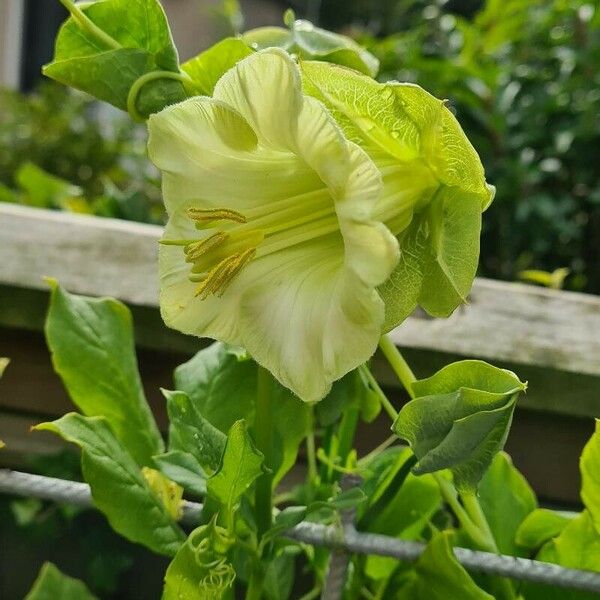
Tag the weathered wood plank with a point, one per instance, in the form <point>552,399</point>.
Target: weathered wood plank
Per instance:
<point>503,321</point>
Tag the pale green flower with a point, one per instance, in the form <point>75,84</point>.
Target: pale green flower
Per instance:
<point>271,243</point>
<point>433,184</point>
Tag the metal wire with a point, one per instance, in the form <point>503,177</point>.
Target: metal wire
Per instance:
<point>72,492</point>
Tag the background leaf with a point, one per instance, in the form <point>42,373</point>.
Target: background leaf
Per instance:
<point>51,584</point>
<point>118,486</point>
<point>590,476</point>
<point>92,348</point>
<point>222,388</point>
<point>506,499</point>
<point>310,42</point>
<point>577,547</point>
<point>437,575</point>
<point>206,68</point>
<point>539,527</point>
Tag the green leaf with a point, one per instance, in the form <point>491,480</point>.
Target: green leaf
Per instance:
<point>310,42</point>
<point>241,464</point>
<point>184,469</point>
<point>43,189</point>
<point>190,432</point>
<point>577,547</point>
<point>279,574</point>
<point>352,390</point>
<point>460,419</point>
<point>208,67</point>
<point>118,486</point>
<point>438,575</point>
<point>92,348</point>
<point>539,527</point>
<point>51,584</point>
<point>133,40</point>
<point>590,476</point>
<point>506,499</point>
<point>222,388</point>
<point>4,362</point>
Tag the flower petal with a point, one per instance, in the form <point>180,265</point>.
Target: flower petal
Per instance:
<point>310,320</point>
<point>355,185</point>
<point>265,88</point>
<point>208,154</point>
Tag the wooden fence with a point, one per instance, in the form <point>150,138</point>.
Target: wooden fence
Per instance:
<point>551,338</point>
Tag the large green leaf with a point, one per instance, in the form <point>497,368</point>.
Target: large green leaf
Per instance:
<point>222,387</point>
<point>539,527</point>
<point>506,499</point>
<point>438,575</point>
<point>309,42</point>
<point>134,40</point>
<point>92,347</point>
<point>577,547</point>
<point>190,432</point>
<point>51,584</point>
<point>590,476</point>
<point>431,172</point>
<point>242,463</point>
<point>118,486</point>
<point>460,419</point>
<point>206,68</point>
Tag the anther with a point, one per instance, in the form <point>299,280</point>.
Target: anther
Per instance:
<point>196,249</point>
<point>207,216</point>
<point>220,276</point>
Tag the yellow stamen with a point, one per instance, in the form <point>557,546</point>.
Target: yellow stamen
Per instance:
<point>207,216</point>
<point>220,276</point>
<point>196,249</point>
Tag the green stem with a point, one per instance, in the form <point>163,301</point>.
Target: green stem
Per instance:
<point>263,428</point>
<point>88,25</point>
<point>473,508</point>
<point>451,497</point>
<point>367,458</point>
<point>311,455</point>
<point>398,364</point>
<point>385,402</point>
<point>140,82</point>
<point>255,585</point>
<point>477,515</point>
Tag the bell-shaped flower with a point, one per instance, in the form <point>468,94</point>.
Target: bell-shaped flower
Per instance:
<point>271,242</point>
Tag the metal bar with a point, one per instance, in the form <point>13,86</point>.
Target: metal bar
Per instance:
<point>73,492</point>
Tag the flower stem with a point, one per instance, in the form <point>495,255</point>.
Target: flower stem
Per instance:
<point>254,589</point>
<point>311,455</point>
<point>263,428</point>
<point>471,529</point>
<point>398,364</point>
<point>385,402</point>
<point>477,515</point>
<point>89,26</point>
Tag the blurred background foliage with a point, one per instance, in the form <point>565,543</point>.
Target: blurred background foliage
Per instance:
<point>523,77</point>
<point>59,149</point>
